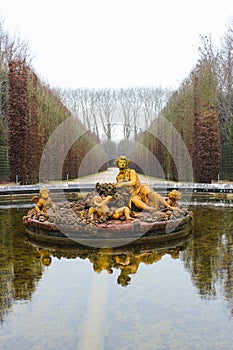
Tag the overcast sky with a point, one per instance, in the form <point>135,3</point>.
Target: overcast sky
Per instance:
<point>115,43</point>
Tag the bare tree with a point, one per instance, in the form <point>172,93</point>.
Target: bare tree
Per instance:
<point>82,103</point>
<point>140,106</point>
<point>106,106</point>
<point>125,99</point>
<point>70,98</point>
<point>12,48</point>
<point>85,106</point>
<point>93,110</point>
<point>152,102</point>
<point>136,111</point>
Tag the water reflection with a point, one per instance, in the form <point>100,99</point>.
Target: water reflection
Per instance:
<point>20,265</point>
<point>125,259</point>
<point>207,255</point>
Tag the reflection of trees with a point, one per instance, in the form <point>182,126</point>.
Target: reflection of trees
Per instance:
<point>208,256</point>
<point>225,271</point>
<point>20,265</point>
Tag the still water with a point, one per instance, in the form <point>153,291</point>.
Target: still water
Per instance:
<point>171,297</point>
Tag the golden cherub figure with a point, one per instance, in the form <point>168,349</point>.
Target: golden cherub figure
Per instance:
<point>99,207</point>
<point>172,198</point>
<point>44,201</point>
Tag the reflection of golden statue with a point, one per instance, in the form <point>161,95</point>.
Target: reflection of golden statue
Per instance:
<point>125,260</point>
<point>143,197</point>
<point>99,208</point>
<point>123,279</point>
<point>44,201</point>
<point>129,262</point>
<point>102,261</point>
<point>128,265</point>
<point>44,256</point>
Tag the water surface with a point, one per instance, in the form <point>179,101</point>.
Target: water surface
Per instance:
<point>173,297</point>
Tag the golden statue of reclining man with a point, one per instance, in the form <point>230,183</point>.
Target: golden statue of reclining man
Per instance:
<point>143,197</point>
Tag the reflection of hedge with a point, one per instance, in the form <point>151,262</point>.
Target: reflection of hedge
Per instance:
<point>34,114</point>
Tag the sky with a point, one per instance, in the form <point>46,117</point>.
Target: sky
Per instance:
<point>115,43</point>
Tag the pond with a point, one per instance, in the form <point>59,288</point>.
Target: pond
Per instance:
<point>167,297</point>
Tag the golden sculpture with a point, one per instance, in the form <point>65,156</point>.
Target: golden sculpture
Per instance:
<point>125,204</point>
<point>143,197</point>
<point>127,177</point>
<point>172,198</point>
<point>101,208</point>
<point>44,201</point>
<point>45,256</point>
